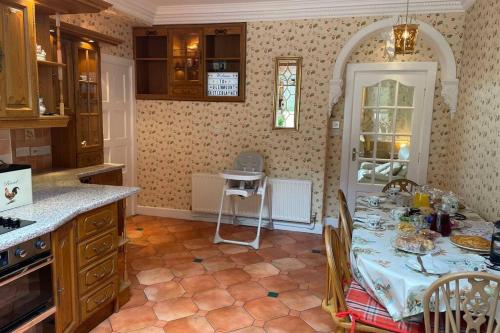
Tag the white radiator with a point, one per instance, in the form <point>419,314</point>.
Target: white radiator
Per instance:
<point>291,198</point>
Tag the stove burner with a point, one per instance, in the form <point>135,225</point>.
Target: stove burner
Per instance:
<point>11,223</point>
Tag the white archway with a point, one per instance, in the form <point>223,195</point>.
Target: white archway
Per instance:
<point>439,44</point>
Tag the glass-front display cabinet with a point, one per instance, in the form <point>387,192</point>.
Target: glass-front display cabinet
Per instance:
<point>185,63</point>
<point>88,106</point>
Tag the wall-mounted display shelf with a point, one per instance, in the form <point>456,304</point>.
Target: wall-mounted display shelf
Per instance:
<point>202,62</point>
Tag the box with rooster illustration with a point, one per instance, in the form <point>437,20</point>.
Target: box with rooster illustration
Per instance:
<point>15,180</point>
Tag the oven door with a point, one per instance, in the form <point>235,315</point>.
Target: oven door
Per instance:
<point>25,292</point>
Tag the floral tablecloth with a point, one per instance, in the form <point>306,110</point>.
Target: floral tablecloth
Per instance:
<point>382,270</point>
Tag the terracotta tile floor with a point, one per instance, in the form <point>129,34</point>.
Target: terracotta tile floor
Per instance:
<point>183,283</point>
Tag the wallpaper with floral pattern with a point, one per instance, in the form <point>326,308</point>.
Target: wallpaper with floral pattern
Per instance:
<point>475,132</point>
<point>176,139</point>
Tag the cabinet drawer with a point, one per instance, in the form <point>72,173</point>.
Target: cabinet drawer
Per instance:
<point>93,277</point>
<point>89,159</point>
<point>96,248</point>
<point>187,92</point>
<point>96,221</point>
<point>93,302</point>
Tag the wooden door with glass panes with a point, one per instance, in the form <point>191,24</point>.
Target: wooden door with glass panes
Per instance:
<point>387,128</point>
<point>186,67</point>
<point>88,104</point>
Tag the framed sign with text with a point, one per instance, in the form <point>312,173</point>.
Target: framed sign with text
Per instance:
<point>222,84</point>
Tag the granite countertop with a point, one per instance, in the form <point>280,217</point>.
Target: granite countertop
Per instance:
<point>58,197</point>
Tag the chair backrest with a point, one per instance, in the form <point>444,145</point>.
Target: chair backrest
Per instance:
<point>249,161</point>
<point>338,270</point>
<point>477,299</point>
<point>404,185</point>
<point>345,222</point>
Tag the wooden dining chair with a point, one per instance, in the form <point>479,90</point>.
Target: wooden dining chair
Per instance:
<point>345,222</point>
<point>404,185</point>
<point>350,306</point>
<point>475,298</point>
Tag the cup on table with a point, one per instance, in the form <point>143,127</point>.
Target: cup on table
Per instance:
<point>392,192</point>
<point>396,213</point>
<point>373,221</point>
<point>374,201</point>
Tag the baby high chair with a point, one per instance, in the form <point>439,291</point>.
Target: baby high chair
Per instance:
<point>246,180</point>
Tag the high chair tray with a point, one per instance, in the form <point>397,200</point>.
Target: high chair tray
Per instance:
<point>241,175</point>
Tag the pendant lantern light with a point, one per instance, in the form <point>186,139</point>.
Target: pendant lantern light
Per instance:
<point>405,33</point>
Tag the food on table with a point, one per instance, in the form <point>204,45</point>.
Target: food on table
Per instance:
<point>471,242</point>
<point>406,228</point>
<point>429,234</point>
<point>426,211</point>
<point>416,243</point>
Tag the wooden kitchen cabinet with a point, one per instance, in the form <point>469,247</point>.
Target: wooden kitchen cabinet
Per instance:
<point>185,64</point>
<point>64,251</point>
<point>88,281</point>
<point>88,105</point>
<point>80,144</point>
<point>200,62</point>
<point>18,65</point>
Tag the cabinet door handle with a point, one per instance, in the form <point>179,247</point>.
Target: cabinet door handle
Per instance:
<point>84,143</point>
<point>103,299</point>
<point>103,248</point>
<point>101,275</point>
<point>220,31</point>
<point>99,223</point>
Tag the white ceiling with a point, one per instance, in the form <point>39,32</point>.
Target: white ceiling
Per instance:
<point>206,11</point>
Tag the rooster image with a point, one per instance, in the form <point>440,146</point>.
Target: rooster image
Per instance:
<point>10,195</point>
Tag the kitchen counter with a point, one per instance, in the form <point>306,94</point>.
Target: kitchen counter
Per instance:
<point>58,197</point>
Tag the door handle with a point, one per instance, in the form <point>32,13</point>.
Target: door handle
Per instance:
<point>354,154</point>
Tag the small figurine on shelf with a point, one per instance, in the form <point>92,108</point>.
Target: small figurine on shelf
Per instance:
<point>42,109</point>
<point>40,53</point>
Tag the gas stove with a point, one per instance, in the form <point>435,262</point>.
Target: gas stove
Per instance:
<point>11,223</point>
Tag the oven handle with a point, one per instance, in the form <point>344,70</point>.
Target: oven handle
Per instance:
<point>26,270</point>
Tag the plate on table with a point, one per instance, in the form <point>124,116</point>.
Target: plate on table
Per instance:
<point>457,224</point>
<point>367,227</point>
<point>431,265</point>
<point>415,244</point>
<point>471,243</point>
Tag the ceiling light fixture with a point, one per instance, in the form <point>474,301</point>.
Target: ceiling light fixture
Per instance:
<point>405,33</point>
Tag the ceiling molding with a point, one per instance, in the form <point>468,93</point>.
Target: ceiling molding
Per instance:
<point>467,4</point>
<point>280,9</point>
<point>144,10</point>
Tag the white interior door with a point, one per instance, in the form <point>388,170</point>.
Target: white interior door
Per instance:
<point>390,108</point>
<point>118,117</point>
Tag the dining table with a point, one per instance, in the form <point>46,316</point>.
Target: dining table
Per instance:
<point>384,271</point>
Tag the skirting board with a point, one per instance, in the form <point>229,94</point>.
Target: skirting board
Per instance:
<point>315,228</point>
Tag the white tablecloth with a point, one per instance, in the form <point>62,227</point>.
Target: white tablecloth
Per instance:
<point>382,270</point>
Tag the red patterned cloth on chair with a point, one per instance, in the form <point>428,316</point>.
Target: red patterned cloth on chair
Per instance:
<point>365,309</point>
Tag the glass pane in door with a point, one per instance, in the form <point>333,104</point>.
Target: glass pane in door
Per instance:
<point>385,132</point>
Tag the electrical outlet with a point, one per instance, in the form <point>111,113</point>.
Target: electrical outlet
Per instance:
<point>335,124</point>
<point>29,134</point>
<point>40,151</point>
<point>22,151</point>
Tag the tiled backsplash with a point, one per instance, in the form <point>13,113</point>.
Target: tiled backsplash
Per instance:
<point>5,147</point>
<point>31,146</point>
